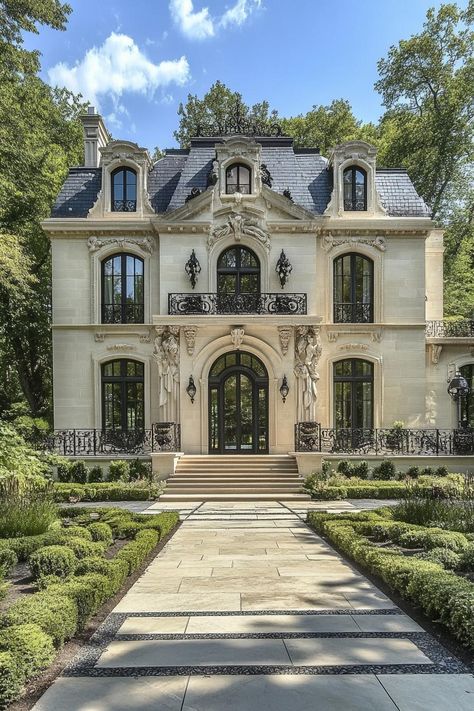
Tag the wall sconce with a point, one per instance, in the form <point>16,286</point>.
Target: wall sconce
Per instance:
<point>192,268</point>
<point>284,389</point>
<point>191,389</point>
<point>283,268</point>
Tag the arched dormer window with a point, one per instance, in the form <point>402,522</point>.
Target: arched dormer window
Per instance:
<point>124,190</point>
<point>237,179</point>
<point>122,289</point>
<point>355,189</point>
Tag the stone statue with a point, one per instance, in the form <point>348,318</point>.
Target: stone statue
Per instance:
<point>307,355</point>
<point>166,354</point>
<point>238,225</point>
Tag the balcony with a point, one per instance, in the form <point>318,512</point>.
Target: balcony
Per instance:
<point>450,329</point>
<point>223,304</point>
<point>353,313</point>
<point>311,437</point>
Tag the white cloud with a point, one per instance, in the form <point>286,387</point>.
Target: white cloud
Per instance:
<point>116,67</point>
<point>201,25</point>
<point>195,25</point>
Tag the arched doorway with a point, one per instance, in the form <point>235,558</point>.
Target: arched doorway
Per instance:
<point>238,405</point>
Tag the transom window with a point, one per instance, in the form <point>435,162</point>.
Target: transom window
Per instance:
<point>355,189</point>
<point>353,289</point>
<point>124,190</point>
<point>467,403</point>
<point>238,272</point>
<point>122,289</point>
<point>123,396</point>
<point>237,179</point>
<point>353,394</point>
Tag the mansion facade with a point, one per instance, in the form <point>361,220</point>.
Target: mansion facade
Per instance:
<point>244,296</point>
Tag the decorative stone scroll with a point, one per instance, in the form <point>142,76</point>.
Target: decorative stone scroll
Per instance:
<point>166,355</point>
<point>145,243</point>
<point>238,225</point>
<point>237,336</point>
<point>330,242</point>
<point>307,354</point>
<point>435,353</point>
<point>190,338</point>
<point>284,333</point>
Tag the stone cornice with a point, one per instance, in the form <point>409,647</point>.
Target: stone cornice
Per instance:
<point>84,227</point>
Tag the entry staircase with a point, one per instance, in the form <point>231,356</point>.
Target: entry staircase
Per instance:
<point>235,478</point>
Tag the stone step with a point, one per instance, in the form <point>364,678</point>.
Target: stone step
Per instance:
<point>250,496</point>
<point>229,479</point>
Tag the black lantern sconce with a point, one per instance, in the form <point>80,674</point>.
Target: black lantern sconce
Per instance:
<point>283,268</point>
<point>458,388</point>
<point>284,389</point>
<point>192,268</point>
<point>191,389</point>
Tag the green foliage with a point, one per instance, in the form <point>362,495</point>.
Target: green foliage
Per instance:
<point>83,548</point>
<point>432,538</point>
<point>353,469</point>
<point>11,679</point>
<point>53,560</point>
<point>466,562</point>
<point>31,648</point>
<point>446,557</point>
<point>88,591</point>
<point>96,474</point>
<point>63,472</point>
<point>76,532</point>
<point>413,472</point>
<point>78,472</point>
<point>107,491</point>
<point>385,470</point>
<point>139,470</point>
<point>119,470</point>
<point>19,458</point>
<point>27,506</point>
<point>115,570</point>
<point>8,560</point>
<point>135,552</point>
<point>101,532</point>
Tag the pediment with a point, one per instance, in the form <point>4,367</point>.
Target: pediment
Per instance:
<point>282,207</point>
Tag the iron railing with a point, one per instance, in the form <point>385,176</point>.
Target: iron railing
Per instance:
<point>162,437</point>
<point>353,313</point>
<point>450,329</point>
<point>311,437</point>
<point>125,205</point>
<point>123,313</point>
<point>211,304</point>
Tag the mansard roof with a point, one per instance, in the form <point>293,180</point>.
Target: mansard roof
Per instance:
<point>303,171</point>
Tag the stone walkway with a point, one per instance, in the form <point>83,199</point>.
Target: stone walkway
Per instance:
<point>245,609</point>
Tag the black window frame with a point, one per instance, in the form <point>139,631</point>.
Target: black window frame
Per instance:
<point>352,311</point>
<point>239,270</point>
<point>353,378</point>
<point>467,402</point>
<point>124,204</point>
<point>354,169</point>
<point>123,379</point>
<point>238,166</point>
<point>124,312</point>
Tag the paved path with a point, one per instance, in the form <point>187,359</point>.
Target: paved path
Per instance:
<point>247,609</point>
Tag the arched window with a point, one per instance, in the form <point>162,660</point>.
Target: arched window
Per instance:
<point>237,179</point>
<point>353,289</point>
<point>122,289</point>
<point>467,403</point>
<point>353,394</point>
<point>238,272</point>
<point>124,190</point>
<point>355,188</point>
<point>123,396</point>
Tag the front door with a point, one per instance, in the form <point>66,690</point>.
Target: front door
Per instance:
<point>238,405</point>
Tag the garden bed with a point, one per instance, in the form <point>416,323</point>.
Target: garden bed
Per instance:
<point>106,491</point>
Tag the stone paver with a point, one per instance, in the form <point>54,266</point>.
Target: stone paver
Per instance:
<point>242,600</point>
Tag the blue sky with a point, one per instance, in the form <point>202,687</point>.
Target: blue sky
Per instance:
<point>137,59</point>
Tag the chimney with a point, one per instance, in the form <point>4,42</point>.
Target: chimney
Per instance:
<point>95,136</point>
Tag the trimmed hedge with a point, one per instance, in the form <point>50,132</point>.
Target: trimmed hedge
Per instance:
<point>56,614</point>
<point>11,681</point>
<point>115,570</point>
<point>101,532</point>
<point>88,591</point>
<point>32,648</point>
<point>82,548</point>
<point>106,491</point>
<point>8,560</point>
<point>52,560</point>
<point>135,552</point>
<point>442,595</point>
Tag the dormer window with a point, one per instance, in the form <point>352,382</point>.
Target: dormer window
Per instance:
<point>237,179</point>
<point>355,189</point>
<point>124,190</point>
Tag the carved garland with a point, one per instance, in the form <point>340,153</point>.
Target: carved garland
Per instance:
<point>238,225</point>
<point>330,242</point>
<point>146,244</point>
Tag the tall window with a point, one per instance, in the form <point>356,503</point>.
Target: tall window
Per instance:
<point>353,289</point>
<point>353,394</point>
<point>123,396</point>
<point>355,188</point>
<point>122,289</point>
<point>467,403</point>
<point>237,179</point>
<point>238,272</point>
<point>124,190</point>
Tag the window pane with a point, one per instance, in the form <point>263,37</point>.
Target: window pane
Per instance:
<point>226,283</point>
<point>218,366</point>
<point>248,259</point>
<point>228,259</point>
<point>118,186</point>
<point>249,283</point>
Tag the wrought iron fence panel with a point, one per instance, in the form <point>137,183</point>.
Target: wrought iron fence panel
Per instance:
<point>202,304</point>
<point>162,437</point>
<point>450,329</point>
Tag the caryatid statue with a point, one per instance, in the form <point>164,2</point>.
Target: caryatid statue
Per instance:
<point>166,354</point>
<point>307,355</point>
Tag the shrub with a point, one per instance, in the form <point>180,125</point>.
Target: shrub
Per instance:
<point>95,475</point>
<point>56,614</point>
<point>115,570</point>
<point>442,471</point>
<point>413,472</point>
<point>361,469</point>
<point>63,472</point>
<point>30,646</point>
<point>467,559</point>
<point>101,532</point>
<point>78,471</point>
<point>427,471</point>
<point>326,468</point>
<point>26,545</point>
<point>27,507</point>
<point>433,538</point>
<point>53,560</point>
<point>119,470</point>
<point>11,680</point>
<point>140,469</point>
<point>385,470</point>
<point>443,556</point>
<point>77,532</point>
<point>88,591</point>
<point>344,467</point>
<point>107,491</point>
<point>82,548</point>
<point>8,560</point>
<point>135,552</point>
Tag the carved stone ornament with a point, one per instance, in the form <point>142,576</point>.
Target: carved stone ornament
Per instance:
<point>144,338</point>
<point>195,192</point>
<point>99,337</point>
<point>166,355</point>
<point>237,336</point>
<point>238,225</point>
<point>332,336</point>
<point>353,347</point>
<point>146,244</point>
<point>284,333</point>
<point>120,347</point>
<point>330,242</point>
<point>307,354</point>
<point>377,336</point>
<point>435,353</point>
<point>265,175</point>
<point>190,338</point>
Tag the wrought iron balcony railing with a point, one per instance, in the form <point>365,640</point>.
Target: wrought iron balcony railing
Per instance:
<point>162,437</point>
<point>353,313</point>
<point>450,329</point>
<point>123,313</point>
<point>311,437</point>
<point>125,205</point>
<point>212,304</point>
